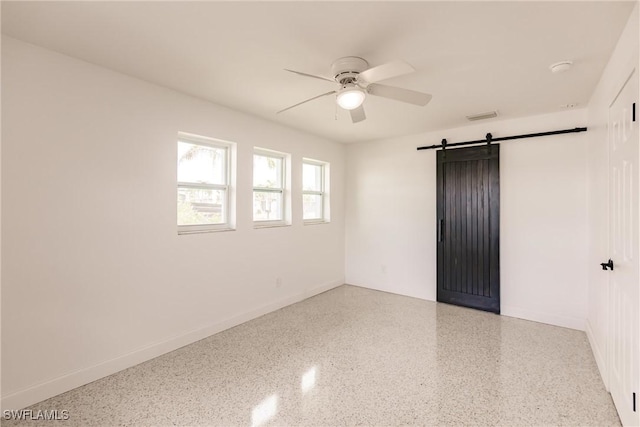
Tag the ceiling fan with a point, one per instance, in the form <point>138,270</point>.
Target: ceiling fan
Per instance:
<point>357,80</point>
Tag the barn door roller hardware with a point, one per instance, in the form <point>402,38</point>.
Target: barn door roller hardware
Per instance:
<point>490,139</point>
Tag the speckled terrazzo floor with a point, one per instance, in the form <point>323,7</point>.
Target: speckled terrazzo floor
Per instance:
<point>354,356</point>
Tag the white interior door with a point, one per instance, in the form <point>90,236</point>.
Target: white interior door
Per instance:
<point>624,159</point>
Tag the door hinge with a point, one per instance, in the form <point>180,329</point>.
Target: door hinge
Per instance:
<point>633,112</point>
<point>634,402</point>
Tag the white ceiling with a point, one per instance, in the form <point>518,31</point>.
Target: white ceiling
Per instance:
<point>472,56</point>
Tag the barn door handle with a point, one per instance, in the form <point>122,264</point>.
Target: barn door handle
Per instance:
<point>608,264</point>
<point>440,230</point>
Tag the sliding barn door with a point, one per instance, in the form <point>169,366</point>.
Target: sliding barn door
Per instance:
<point>468,204</point>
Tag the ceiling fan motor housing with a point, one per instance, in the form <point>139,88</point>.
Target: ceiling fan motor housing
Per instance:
<point>345,70</point>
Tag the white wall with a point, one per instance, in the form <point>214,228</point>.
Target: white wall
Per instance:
<point>391,216</point>
<point>95,277</point>
<point>622,62</point>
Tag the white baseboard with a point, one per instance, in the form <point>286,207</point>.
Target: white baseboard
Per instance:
<point>394,292</point>
<point>543,317</point>
<point>39,392</point>
<point>536,316</point>
<point>599,355</point>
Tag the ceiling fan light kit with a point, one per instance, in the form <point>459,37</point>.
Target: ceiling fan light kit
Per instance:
<point>350,97</point>
<point>357,79</point>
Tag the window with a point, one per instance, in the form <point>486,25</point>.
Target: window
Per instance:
<point>315,203</point>
<point>203,184</point>
<point>269,187</point>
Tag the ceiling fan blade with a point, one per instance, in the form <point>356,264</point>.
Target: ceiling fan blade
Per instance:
<point>306,100</point>
<point>386,71</point>
<point>357,114</point>
<point>399,94</point>
<point>310,75</point>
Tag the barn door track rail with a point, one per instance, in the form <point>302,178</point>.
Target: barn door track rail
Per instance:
<point>489,139</point>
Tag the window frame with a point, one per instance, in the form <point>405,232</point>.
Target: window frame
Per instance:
<point>283,189</point>
<point>324,193</point>
<point>228,147</point>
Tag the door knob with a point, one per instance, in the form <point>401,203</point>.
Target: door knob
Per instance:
<point>608,264</point>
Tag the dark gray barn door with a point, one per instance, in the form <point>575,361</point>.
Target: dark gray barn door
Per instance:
<point>468,205</point>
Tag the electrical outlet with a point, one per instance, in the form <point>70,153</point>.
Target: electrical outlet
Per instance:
<point>278,282</point>
<point>383,269</point>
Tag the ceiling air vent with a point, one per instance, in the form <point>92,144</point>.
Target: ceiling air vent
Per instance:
<point>482,116</point>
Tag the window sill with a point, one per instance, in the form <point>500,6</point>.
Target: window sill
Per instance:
<point>205,230</point>
<point>315,222</point>
<point>270,224</point>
